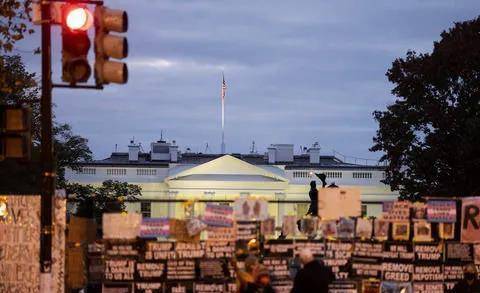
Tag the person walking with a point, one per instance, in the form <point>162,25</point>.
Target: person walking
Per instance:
<point>262,281</point>
<point>470,283</point>
<point>314,276</point>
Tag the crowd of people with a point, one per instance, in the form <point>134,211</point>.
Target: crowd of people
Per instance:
<point>313,276</point>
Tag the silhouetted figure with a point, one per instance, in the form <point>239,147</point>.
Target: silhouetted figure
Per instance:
<point>470,283</point>
<point>322,178</point>
<point>313,194</point>
<point>314,277</point>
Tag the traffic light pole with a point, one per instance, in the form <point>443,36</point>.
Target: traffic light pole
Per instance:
<point>48,172</point>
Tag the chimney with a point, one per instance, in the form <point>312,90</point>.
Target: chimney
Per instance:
<point>271,154</point>
<point>314,153</point>
<point>133,150</point>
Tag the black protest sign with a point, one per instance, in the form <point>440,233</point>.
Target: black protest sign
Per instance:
<point>204,287</point>
<point>430,287</point>
<point>428,252</point>
<point>120,270</point>
<point>366,260</point>
<point>181,269</point>
<point>159,250</point>
<point>456,251</point>
<point>189,250</point>
<point>117,288</point>
<point>397,251</point>
<point>247,230</point>
<point>428,273</point>
<point>150,271</point>
<point>276,247</point>
<point>397,272</point>
<point>212,269</point>
<point>219,249</point>
<point>337,256</point>
<point>317,247</point>
<point>123,249</point>
<point>368,249</point>
<point>279,270</point>
<point>178,287</point>
<point>343,287</point>
<point>148,287</point>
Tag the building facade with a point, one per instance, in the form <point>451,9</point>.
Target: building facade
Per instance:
<point>169,178</point>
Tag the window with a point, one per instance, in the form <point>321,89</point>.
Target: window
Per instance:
<point>364,210</point>
<point>301,174</point>
<point>86,171</point>
<point>146,209</point>
<point>362,175</point>
<point>116,172</point>
<point>334,174</point>
<point>146,172</point>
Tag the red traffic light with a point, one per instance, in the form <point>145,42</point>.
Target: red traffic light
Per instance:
<point>78,18</point>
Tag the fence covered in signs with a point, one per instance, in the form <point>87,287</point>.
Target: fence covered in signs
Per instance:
<point>419,247</point>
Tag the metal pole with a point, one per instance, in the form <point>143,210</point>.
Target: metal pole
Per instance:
<point>48,173</point>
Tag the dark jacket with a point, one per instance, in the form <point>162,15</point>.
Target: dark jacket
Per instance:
<point>313,277</point>
<point>254,288</point>
<point>463,287</point>
<point>313,209</point>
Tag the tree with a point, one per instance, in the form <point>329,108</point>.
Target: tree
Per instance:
<point>430,135</point>
<point>14,22</point>
<point>18,86</point>
<point>108,198</point>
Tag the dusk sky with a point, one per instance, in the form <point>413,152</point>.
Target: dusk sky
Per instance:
<point>297,72</point>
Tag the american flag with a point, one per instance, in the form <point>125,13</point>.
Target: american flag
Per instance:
<point>224,87</point>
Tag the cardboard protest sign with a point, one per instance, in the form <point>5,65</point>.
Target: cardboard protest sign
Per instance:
<point>308,225</point>
<point>470,222</point>
<point>364,228</point>
<point>446,231</point>
<point>398,212</point>
<point>442,211</point>
<point>419,211</point>
<point>328,229</point>
<point>381,229</point>
<point>401,230</point>
<point>179,231</point>
<point>422,231</point>
<point>121,225</point>
<point>267,227</point>
<point>155,227</point>
<point>345,228</point>
<point>458,252</point>
<point>218,215</point>
<point>289,226</point>
<point>250,209</point>
<point>19,244</point>
<point>334,203</point>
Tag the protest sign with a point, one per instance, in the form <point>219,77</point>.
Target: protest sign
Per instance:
<point>155,227</point>
<point>181,269</point>
<point>121,225</point>
<point>398,251</point>
<point>337,257</point>
<point>276,247</point>
<point>429,252</point>
<point>251,209</point>
<point>364,228</point>
<point>328,229</point>
<point>179,230</point>
<point>470,222</point>
<point>397,272</point>
<point>441,211</point>
<point>267,227</point>
<point>345,228</point>
<point>204,287</point>
<point>334,203</point>
<point>221,233</point>
<point>422,231</point>
<point>370,286</point>
<point>317,247</point>
<point>148,287</point>
<point>401,230</point>
<point>419,211</point>
<point>398,212</point>
<point>446,231</point>
<point>155,250</point>
<point>456,251</point>
<point>19,244</point>
<point>280,273</point>
<point>428,287</point>
<point>247,230</point>
<point>218,215</point>
<point>120,270</point>
<point>289,226</point>
<point>381,228</point>
<point>308,225</point>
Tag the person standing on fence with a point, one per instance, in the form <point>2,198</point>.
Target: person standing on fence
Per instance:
<point>470,283</point>
<point>313,194</point>
<point>314,276</point>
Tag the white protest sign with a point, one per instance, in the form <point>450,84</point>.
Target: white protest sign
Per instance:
<point>334,203</point>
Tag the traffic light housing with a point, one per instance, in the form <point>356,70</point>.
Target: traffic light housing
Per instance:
<point>15,132</point>
<point>110,45</point>
<point>76,20</point>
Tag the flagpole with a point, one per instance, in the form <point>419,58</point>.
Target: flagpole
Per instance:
<point>223,113</point>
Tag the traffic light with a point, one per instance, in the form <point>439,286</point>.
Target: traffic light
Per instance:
<point>15,132</point>
<point>110,46</point>
<point>77,19</point>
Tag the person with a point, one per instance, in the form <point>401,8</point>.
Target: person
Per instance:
<point>313,194</point>
<point>262,281</point>
<point>246,276</point>
<point>470,283</point>
<point>313,277</point>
